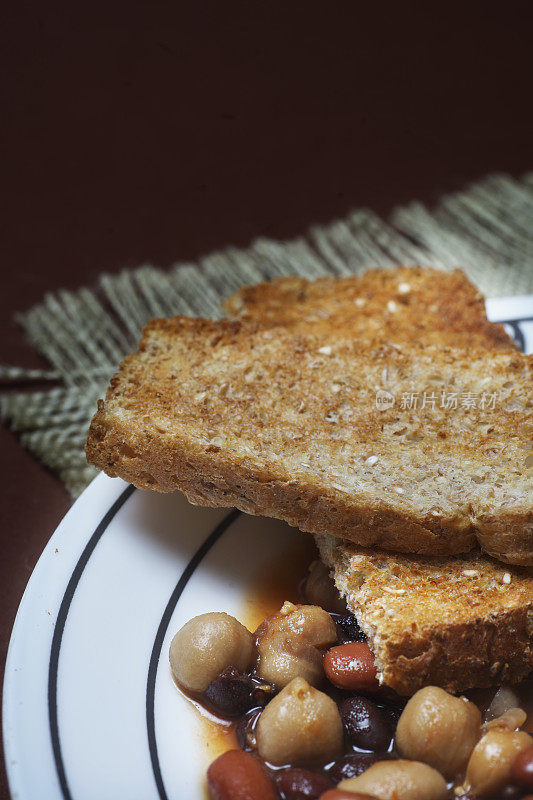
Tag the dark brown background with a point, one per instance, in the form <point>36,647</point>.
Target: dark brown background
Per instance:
<point>158,131</point>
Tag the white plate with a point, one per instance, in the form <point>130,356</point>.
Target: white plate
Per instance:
<point>89,706</point>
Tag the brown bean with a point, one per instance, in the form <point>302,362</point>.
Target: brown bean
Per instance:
<point>352,765</point>
<point>348,628</point>
<point>351,666</point>
<point>301,784</point>
<point>364,724</point>
<point>522,768</point>
<point>230,694</point>
<point>239,776</point>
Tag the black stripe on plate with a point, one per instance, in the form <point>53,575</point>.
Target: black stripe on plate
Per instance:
<point>518,333</point>
<point>58,636</point>
<point>160,636</point>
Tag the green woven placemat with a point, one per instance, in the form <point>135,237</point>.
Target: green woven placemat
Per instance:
<point>485,229</point>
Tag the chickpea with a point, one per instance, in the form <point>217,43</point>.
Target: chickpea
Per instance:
<point>287,644</point>
<point>438,729</point>
<point>489,768</point>
<point>205,646</point>
<point>300,724</point>
<point>320,589</point>
<point>399,780</point>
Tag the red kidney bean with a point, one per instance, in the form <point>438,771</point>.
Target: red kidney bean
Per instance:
<point>351,666</point>
<point>351,766</point>
<point>522,768</point>
<point>301,784</point>
<point>364,724</point>
<point>236,775</point>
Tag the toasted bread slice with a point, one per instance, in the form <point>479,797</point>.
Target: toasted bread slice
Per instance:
<point>459,622</point>
<point>286,425</point>
<point>401,304</point>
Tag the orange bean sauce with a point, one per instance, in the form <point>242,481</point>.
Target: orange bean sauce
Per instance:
<point>277,580</point>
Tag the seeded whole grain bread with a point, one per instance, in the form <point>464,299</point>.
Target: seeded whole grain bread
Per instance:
<point>283,424</point>
<point>400,304</point>
<point>457,622</point>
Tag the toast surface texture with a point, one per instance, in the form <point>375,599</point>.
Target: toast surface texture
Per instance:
<point>458,623</point>
<point>285,424</point>
<point>401,304</point>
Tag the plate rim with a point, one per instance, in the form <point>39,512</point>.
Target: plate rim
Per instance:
<point>103,504</point>
<point>110,495</point>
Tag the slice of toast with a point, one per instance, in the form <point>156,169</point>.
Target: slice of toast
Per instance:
<point>284,424</point>
<point>459,622</point>
<point>401,304</point>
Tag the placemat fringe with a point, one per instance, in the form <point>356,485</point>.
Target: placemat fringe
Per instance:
<point>486,229</point>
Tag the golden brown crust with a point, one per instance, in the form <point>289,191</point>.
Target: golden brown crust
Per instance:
<point>285,425</point>
<point>458,622</point>
<point>442,626</point>
<point>402,304</point>
<point>207,481</point>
